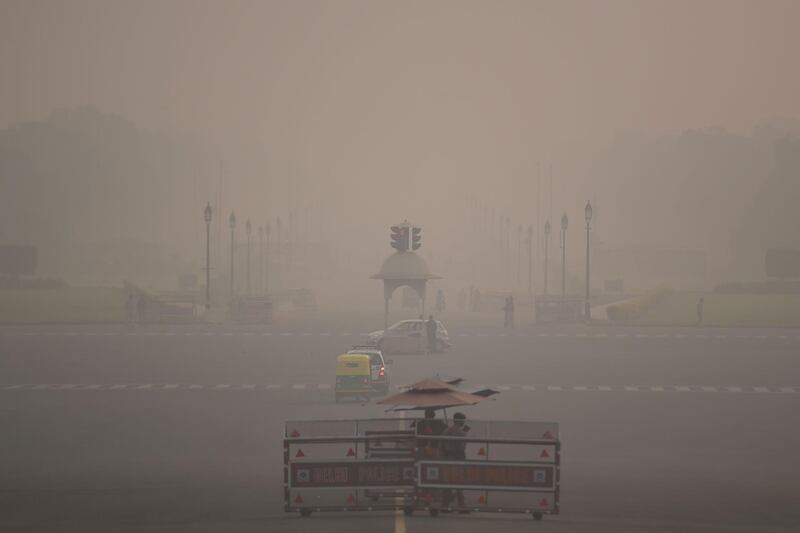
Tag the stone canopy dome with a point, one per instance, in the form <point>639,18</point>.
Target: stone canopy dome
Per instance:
<point>404,266</point>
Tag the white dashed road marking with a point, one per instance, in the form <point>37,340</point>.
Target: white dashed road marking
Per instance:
<point>326,386</point>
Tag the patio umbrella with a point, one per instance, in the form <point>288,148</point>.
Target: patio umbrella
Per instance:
<point>431,394</point>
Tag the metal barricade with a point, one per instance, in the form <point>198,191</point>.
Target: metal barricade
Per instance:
<point>377,464</point>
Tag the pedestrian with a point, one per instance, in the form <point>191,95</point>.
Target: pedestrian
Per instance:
<point>455,450</point>
<point>440,303</point>
<point>130,308</point>
<point>700,304</point>
<point>430,330</point>
<point>141,308</point>
<point>429,426</point>
<point>508,313</point>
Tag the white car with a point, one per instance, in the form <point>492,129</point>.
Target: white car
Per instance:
<point>409,336</point>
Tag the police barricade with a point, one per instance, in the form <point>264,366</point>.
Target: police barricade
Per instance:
<point>348,465</point>
<point>375,464</point>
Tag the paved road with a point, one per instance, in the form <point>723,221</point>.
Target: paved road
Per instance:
<point>178,428</point>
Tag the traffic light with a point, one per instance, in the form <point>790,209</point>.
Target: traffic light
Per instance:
<point>416,238</point>
<point>399,238</point>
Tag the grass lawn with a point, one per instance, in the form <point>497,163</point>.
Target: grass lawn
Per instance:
<point>69,304</point>
<point>749,310</point>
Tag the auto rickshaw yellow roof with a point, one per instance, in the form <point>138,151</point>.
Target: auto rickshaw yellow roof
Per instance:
<point>353,357</point>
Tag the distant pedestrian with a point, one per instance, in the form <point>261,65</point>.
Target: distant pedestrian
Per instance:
<point>700,305</point>
<point>130,308</point>
<point>430,330</point>
<point>440,303</point>
<point>508,309</point>
<point>141,308</point>
<point>462,299</point>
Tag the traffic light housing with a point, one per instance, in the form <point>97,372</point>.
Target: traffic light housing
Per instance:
<point>399,238</point>
<point>416,238</point>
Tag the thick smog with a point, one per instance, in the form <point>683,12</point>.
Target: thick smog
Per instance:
<point>399,267</point>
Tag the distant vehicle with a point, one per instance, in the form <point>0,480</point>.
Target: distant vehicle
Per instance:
<point>353,377</point>
<point>408,336</point>
<point>380,376</point>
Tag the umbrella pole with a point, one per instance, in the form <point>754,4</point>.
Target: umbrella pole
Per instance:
<point>445,414</point>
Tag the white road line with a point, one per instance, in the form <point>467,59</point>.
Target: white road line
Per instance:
<point>266,334</point>
<point>327,386</point>
<point>542,334</point>
<point>621,335</point>
<point>325,334</point>
<point>641,335</point>
<point>580,334</point>
<point>602,335</point>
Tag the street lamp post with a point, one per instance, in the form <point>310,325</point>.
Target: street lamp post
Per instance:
<point>266,261</point>
<point>248,229</point>
<point>207,216</point>
<point>519,253</point>
<point>232,222</point>
<point>530,261</point>
<point>260,278</point>
<point>564,225</point>
<point>546,253</point>
<point>588,214</point>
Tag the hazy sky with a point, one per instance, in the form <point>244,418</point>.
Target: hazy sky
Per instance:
<point>569,69</point>
<point>344,96</point>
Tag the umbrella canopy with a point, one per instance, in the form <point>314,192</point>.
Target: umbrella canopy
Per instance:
<point>431,394</point>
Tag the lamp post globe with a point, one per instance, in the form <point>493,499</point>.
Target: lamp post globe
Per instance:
<point>207,213</point>
<point>232,220</point>
<point>587,211</point>
<point>547,227</point>
<point>564,222</point>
